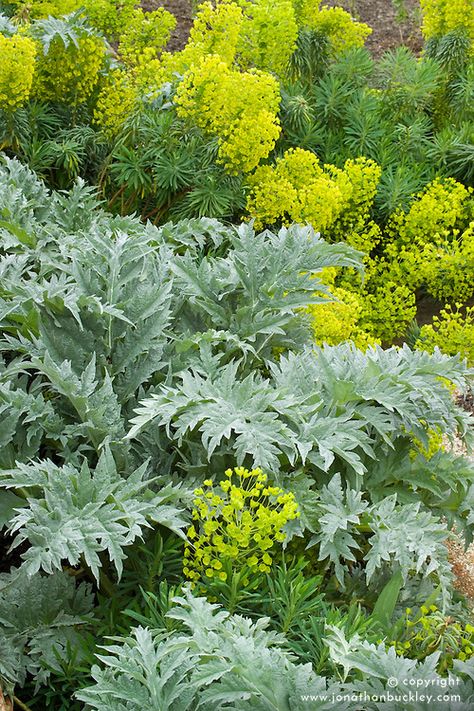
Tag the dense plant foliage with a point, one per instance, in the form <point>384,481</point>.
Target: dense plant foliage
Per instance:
<point>141,365</point>
<point>221,484</point>
<point>272,111</point>
<point>429,631</point>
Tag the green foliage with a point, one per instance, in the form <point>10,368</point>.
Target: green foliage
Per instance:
<point>216,659</point>
<point>7,28</point>
<point>226,659</point>
<point>416,544</point>
<point>196,336</point>
<point>387,600</point>
<point>41,619</point>
<point>82,513</point>
<point>452,331</point>
<point>401,535</point>
<point>138,363</point>
<point>263,415</point>
<point>293,598</point>
<point>310,57</point>
<point>250,122</point>
<point>224,417</point>
<point>431,631</point>
<point>337,515</point>
<point>370,666</point>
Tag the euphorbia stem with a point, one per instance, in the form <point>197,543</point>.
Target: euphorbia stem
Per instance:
<point>20,704</point>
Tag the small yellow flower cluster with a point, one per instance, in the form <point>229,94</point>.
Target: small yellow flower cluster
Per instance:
<point>433,244</point>
<point>443,16</point>
<point>447,268</point>
<point>343,32</point>
<point>433,631</point>
<point>268,36</point>
<point>44,8</point>
<point>363,175</point>
<point>297,189</point>
<point>215,31</point>
<point>69,74</point>
<point>109,16</point>
<point>435,444</point>
<point>339,203</point>
<point>240,108</point>
<point>452,331</point>
<point>388,307</point>
<point>17,66</point>
<point>115,102</point>
<point>145,35</point>
<point>433,214</point>
<point>237,523</point>
<point>148,76</point>
<point>387,303</point>
<point>365,239</point>
<point>338,321</point>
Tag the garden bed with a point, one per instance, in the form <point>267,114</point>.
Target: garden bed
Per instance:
<point>236,338</point>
